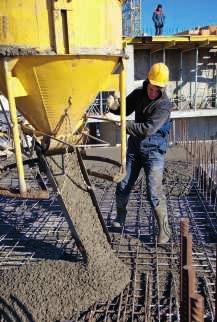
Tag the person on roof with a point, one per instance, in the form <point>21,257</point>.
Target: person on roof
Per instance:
<point>147,145</point>
<point>158,18</point>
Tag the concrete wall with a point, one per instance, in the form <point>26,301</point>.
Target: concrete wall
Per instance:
<point>182,86</point>
<point>199,127</point>
<point>107,132</point>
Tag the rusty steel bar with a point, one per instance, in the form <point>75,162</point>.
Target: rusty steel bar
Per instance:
<point>188,286</point>
<point>13,193</point>
<point>197,308</point>
<point>158,311</point>
<point>186,261</point>
<point>184,227</point>
<point>183,259</point>
<point>134,282</point>
<point>206,174</point>
<point>184,249</point>
<point>187,250</point>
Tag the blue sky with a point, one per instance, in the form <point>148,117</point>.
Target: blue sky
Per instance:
<point>180,14</point>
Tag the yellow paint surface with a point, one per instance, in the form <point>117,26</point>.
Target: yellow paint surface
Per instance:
<point>60,88</point>
<point>60,25</point>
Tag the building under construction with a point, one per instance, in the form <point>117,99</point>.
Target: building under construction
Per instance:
<point>61,158</point>
<point>132,18</point>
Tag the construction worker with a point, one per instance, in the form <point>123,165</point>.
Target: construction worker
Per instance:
<point>147,145</point>
<point>158,18</point>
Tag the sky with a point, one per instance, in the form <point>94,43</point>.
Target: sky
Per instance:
<point>180,14</point>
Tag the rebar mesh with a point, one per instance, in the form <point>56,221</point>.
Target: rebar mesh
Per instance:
<point>31,230</point>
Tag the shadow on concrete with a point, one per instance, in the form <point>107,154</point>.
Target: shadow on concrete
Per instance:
<point>9,312</point>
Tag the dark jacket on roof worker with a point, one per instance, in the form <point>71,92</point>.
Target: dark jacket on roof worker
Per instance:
<point>147,145</point>
<point>158,18</point>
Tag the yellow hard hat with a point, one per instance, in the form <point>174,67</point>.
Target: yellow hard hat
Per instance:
<point>158,75</point>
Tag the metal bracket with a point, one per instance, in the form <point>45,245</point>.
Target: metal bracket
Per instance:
<point>62,11</point>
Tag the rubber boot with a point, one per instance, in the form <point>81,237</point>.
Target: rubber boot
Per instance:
<point>162,220</point>
<point>120,218</point>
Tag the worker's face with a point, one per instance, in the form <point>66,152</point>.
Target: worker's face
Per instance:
<point>153,91</point>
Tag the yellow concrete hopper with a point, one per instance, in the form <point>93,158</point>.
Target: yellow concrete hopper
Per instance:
<point>61,59</point>
<point>58,89</point>
<point>55,56</point>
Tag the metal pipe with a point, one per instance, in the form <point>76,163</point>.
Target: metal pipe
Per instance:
<point>197,308</point>
<point>164,55</point>
<point>184,225</point>
<point>123,117</point>
<point>15,130</point>
<point>188,285</point>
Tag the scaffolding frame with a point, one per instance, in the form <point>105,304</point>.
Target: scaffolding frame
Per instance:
<point>132,17</point>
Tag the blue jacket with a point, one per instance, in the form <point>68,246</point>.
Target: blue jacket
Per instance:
<point>158,18</point>
<point>152,118</point>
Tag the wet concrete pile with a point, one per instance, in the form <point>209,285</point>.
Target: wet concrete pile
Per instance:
<point>58,290</point>
<point>178,177</point>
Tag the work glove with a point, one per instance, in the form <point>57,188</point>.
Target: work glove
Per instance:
<point>113,118</point>
<point>113,102</point>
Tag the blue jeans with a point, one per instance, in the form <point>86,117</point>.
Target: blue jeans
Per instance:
<point>152,160</point>
<point>158,30</point>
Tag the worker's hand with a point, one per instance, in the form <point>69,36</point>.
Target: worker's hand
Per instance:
<point>115,119</point>
<point>113,102</point>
